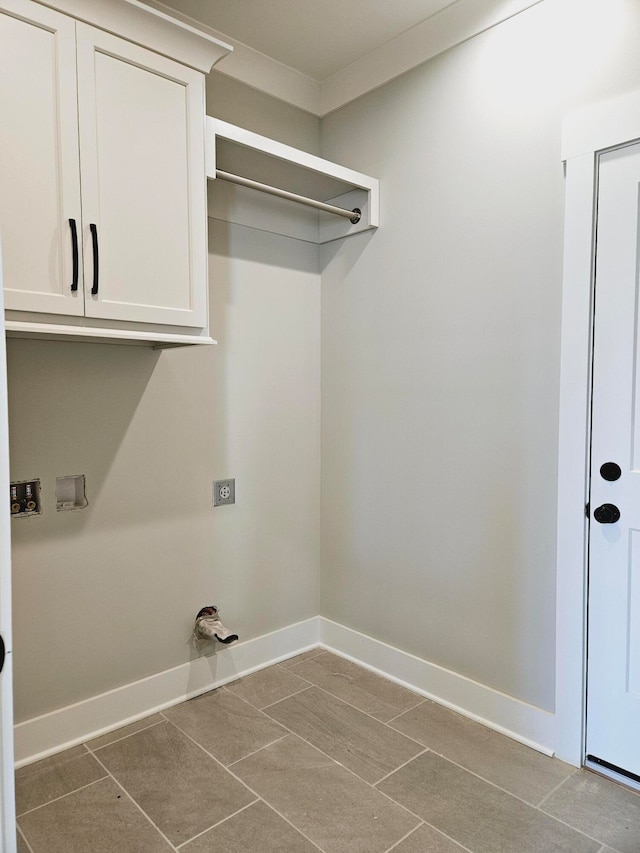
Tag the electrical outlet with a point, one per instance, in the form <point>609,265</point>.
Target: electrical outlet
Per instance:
<point>224,492</point>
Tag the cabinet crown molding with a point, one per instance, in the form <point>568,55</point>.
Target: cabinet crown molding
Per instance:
<point>149,28</point>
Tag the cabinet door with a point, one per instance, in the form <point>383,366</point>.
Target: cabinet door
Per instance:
<point>39,166</point>
<point>143,183</point>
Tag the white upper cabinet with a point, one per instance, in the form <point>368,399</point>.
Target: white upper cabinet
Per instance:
<point>39,162</point>
<point>103,208</point>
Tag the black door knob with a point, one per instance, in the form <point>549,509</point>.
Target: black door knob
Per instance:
<point>610,471</point>
<point>607,514</point>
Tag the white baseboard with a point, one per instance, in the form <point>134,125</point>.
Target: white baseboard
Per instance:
<point>518,720</point>
<point>51,733</point>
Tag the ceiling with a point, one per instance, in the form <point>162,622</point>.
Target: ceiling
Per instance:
<point>316,38</point>
<point>321,54</point>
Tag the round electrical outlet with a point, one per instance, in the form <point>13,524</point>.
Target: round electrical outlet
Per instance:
<point>224,492</point>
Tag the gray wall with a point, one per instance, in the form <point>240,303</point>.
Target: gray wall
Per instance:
<point>107,595</point>
<point>232,101</point>
<point>440,346</point>
<point>440,343</point>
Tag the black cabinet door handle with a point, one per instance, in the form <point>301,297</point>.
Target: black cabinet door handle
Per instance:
<point>74,254</point>
<point>96,261</point>
<point>2,653</point>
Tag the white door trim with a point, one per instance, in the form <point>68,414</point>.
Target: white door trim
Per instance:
<point>584,134</point>
<point>7,790</point>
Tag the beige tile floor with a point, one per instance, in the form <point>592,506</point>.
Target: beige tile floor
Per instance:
<point>316,754</point>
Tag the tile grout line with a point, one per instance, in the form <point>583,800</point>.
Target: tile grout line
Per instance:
<point>423,699</point>
<point>214,825</point>
<point>374,719</point>
<point>292,825</point>
<point>285,664</point>
<point>335,760</point>
<point>291,733</point>
<point>439,831</point>
<point>255,751</point>
<point>449,838</point>
<point>24,837</point>
<point>259,710</point>
<point>350,705</point>
<point>404,838</point>
<point>514,796</point>
<point>391,772</point>
<point>266,669</point>
<point>425,749</point>
<point>415,740</point>
<point>61,797</point>
<point>352,772</point>
<point>212,756</point>
<point>55,757</point>
<point>387,723</point>
<point>371,717</point>
<point>311,684</point>
<point>327,693</point>
<point>136,804</point>
<point>400,805</point>
<point>570,826</point>
<point>504,790</point>
<point>94,749</point>
<point>564,822</point>
<point>375,673</point>
<point>248,787</point>
<point>488,781</point>
<point>559,785</point>
<point>284,698</point>
<point>253,708</point>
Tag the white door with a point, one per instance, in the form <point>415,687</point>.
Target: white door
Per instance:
<point>613,668</point>
<point>143,183</point>
<point>39,166</point>
<point>7,799</point>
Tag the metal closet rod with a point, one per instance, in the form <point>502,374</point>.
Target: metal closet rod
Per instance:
<point>354,215</point>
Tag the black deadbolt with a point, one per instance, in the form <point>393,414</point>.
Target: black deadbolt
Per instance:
<point>610,471</point>
<point>607,514</point>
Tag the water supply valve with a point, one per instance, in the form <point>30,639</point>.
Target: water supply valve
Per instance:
<point>209,627</point>
<point>24,498</point>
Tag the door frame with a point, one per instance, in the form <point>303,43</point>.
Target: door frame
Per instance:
<point>585,133</point>
<point>7,789</point>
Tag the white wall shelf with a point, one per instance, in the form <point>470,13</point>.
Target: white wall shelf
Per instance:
<point>241,152</point>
